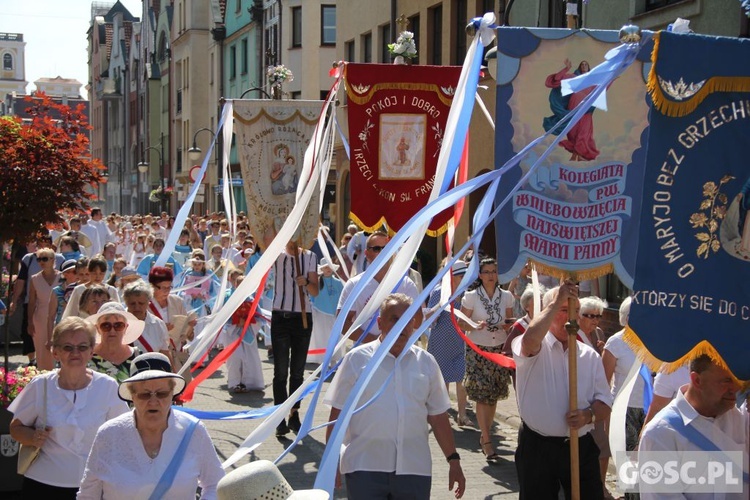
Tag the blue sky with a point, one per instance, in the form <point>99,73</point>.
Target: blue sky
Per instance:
<point>55,35</point>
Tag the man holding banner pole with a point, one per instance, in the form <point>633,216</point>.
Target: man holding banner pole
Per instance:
<point>296,277</point>
<point>543,453</point>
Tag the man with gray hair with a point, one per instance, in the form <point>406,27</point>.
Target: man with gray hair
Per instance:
<point>386,453</point>
<point>541,356</point>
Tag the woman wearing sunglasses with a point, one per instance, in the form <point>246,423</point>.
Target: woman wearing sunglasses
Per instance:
<point>153,451</point>
<point>60,412</point>
<point>116,328</point>
<point>40,292</point>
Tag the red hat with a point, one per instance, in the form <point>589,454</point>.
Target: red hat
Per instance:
<point>159,274</point>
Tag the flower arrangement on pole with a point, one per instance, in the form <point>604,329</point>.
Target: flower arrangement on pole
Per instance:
<point>277,75</point>
<point>405,49</point>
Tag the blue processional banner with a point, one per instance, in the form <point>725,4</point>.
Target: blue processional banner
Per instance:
<point>692,279</point>
<point>577,213</point>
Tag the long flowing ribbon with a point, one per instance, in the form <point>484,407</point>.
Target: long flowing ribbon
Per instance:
<point>184,211</point>
<point>220,359</point>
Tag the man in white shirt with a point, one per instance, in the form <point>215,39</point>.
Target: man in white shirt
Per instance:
<point>706,405</point>
<point>98,222</point>
<point>290,335</point>
<point>376,242</point>
<point>543,453</point>
<point>93,233</point>
<point>386,452</point>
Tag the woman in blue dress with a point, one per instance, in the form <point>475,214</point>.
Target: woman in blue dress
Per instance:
<point>447,346</point>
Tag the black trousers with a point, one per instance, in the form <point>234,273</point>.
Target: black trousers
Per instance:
<point>28,341</point>
<point>290,343</point>
<point>34,490</point>
<point>543,465</point>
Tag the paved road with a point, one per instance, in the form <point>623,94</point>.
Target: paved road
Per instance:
<point>300,466</point>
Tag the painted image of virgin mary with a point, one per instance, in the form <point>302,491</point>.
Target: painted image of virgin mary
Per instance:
<point>580,139</point>
<point>735,228</point>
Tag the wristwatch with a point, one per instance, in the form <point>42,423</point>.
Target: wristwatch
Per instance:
<point>453,456</point>
<point>593,415</point>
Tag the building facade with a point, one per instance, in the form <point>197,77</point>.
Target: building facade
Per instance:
<point>12,64</point>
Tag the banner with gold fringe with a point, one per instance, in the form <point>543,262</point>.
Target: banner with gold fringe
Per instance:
<point>692,281</point>
<point>272,136</point>
<point>397,116</point>
<point>576,215</point>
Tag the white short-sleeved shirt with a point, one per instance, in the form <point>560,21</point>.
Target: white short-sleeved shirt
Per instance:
<point>406,286</point>
<point>156,334</point>
<point>728,431</point>
<point>390,435</point>
<point>119,468</point>
<point>667,385</point>
<point>74,417</point>
<point>475,301</point>
<point>542,385</point>
<point>625,359</point>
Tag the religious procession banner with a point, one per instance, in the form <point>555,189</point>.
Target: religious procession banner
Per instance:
<point>271,138</point>
<point>692,280</point>
<point>577,212</point>
<point>397,115</point>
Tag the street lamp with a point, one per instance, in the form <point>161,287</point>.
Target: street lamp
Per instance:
<point>143,167</point>
<point>195,152</point>
<point>268,96</point>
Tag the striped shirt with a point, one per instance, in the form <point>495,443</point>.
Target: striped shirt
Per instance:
<point>286,292</point>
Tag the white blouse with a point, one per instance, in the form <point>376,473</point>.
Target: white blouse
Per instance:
<point>475,300</point>
<point>118,467</point>
<point>74,417</point>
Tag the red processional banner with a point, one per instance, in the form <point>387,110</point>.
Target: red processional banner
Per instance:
<point>397,116</point>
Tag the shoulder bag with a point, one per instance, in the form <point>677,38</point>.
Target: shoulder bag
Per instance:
<point>27,454</point>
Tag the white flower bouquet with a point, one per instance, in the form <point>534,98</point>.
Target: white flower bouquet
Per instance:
<point>405,47</point>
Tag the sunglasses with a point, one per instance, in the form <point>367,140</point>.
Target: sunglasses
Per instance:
<point>43,259</point>
<point>106,327</point>
<point>592,316</point>
<point>375,249</point>
<point>70,347</point>
<point>146,396</point>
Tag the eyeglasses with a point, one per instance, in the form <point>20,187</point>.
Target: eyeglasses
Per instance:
<point>106,327</point>
<point>375,249</point>
<point>592,316</point>
<point>43,259</point>
<point>164,288</point>
<point>70,347</point>
<point>146,396</point>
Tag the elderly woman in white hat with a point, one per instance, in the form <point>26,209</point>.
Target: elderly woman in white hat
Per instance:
<point>116,328</point>
<point>153,451</point>
<point>324,309</point>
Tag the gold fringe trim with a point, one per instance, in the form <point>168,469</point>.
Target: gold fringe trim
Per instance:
<point>428,87</point>
<point>655,364</point>
<point>383,223</point>
<point>263,113</point>
<point>588,274</point>
<point>669,107</point>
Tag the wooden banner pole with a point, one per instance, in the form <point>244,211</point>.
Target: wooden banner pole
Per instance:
<point>298,266</point>
<point>572,328</point>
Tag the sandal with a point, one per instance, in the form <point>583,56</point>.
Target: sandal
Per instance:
<point>492,456</point>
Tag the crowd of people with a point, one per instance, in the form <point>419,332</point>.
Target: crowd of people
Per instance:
<point>111,329</point>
